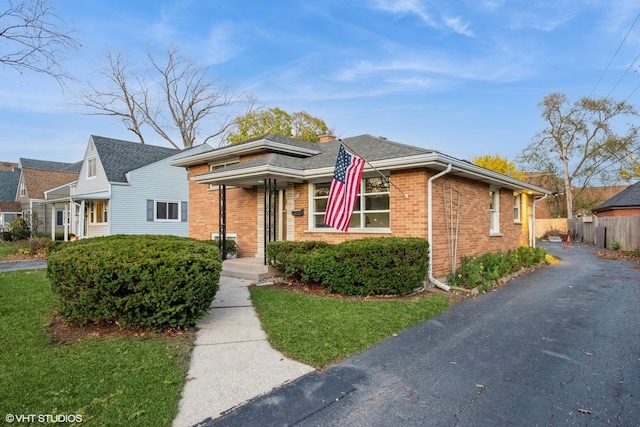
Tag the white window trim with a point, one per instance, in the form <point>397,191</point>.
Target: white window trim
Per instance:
<point>517,197</point>
<point>92,160</point>
<point>155,211</point>
<point>230,236</point>
<point>495,212</point>
<point>213,166</point>
<point>311,208</point>
<point>92,206</point>
<point>23,189</point>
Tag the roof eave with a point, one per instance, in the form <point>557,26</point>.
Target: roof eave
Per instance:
<point>243,176</point>
<point>244,149</point>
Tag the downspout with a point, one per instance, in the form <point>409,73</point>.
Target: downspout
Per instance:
<point>430,228</point>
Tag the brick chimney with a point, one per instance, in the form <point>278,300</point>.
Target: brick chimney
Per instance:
<point>326,137</point>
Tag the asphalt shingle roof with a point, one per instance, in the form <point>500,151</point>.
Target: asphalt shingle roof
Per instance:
<point>627,198</point>
<point>370,147</point>
<point>50,166</point>
<point>119,157</point>
<point>9,185</point>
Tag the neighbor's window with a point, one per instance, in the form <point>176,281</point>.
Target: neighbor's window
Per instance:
<point>517,203</point>
<point>98,212</point>
<point>92,167</point>
<point>494,210</point>
<point>23,189</point>
<point>167,211</point>
<point>59,218</point>
<point>371,209</point>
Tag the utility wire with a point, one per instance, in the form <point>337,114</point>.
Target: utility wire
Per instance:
<point>614,55</point>
<point>624,74</point>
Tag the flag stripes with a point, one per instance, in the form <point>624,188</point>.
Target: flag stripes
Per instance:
<point>344,190</point>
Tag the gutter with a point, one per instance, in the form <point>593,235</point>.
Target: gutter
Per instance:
<point>533,222</point>
<point>432,279</point>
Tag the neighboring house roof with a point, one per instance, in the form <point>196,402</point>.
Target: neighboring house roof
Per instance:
<point>50,166</point>
<point>41,175</point>
<point>629,198</point>
<point>8,166</point>
<point>37,181</point>
<point>9,185</point>
<point>296,161</point>
<point>10,206</point>
<point>119,157</point>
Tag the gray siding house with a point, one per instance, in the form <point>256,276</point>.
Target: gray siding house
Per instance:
<point>126,188</point>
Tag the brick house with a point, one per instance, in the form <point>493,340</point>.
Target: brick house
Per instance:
<point>276,188</point>
<point>625,203</point>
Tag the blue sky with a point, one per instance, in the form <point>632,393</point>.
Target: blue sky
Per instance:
<point>463,77</point>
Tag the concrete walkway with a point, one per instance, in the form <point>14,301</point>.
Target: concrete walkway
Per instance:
<point>22,265</point>
<point>231,362</point>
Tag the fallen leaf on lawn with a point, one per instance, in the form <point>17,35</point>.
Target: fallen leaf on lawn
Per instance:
<point>584,411</point>
<point>394,335</point>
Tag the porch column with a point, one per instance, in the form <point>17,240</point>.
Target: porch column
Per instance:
<point>53,221</point>
<point>222,220</point>
<point>81,222</point>
<point>270,213</point>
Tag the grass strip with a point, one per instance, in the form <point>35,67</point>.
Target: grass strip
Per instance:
<point>318,330</point>
<point>7,248</point>
<point>108,381</point>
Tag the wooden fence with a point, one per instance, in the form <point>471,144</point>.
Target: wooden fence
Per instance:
<point>607,232</point>
<point>550,224</point>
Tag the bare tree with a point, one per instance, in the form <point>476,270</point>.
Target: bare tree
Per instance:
<point>581,143</point>
<point>177,99</point>
<point>31,38</point>
<point>120,99</point>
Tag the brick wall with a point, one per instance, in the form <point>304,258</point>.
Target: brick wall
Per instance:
<point>408,217</point>
<point>241,213</point>
<point>468,212</point>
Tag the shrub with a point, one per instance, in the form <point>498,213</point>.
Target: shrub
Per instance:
<point>278,252</point>
<point>36,246</point>
<point>19,229</point>
<point>484,270</point>
<point>157,282</point>
<point>372,266</point>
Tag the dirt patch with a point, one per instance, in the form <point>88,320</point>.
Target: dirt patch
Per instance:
<point>620,255</point>
<point>24,257</point>
<point>319,290</point>
<point>62,333</point>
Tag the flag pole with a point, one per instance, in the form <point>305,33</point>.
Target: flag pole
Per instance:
<point>406,196</point>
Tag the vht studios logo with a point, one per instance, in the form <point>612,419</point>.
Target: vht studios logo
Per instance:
<point>43,418</point>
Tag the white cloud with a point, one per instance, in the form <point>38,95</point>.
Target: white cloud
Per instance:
<point>411,7</point>
<point>458,26</point>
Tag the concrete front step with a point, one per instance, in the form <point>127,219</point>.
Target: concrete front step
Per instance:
<point>247,268</point>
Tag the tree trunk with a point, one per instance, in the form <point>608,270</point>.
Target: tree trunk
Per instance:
<point>567,183</point>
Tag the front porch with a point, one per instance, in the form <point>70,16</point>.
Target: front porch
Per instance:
<point>248,268</point>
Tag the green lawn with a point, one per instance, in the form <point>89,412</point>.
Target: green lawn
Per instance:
<point>7,248</point>
<point>117,381</point>
<point>319,330</point>
<point>137,381</point>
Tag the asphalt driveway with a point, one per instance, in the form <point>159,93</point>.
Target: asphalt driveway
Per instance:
<point>557,347</point>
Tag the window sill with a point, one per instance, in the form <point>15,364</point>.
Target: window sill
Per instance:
<point>352,230</point>
<point>495,234</point>
<point>517,222</point>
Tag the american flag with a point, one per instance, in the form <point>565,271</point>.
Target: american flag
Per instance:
<point>344,190</point>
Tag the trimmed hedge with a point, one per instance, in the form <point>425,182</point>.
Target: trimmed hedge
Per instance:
<point>371,266</point>
<point>157,282</point>
<point>484,270</point>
